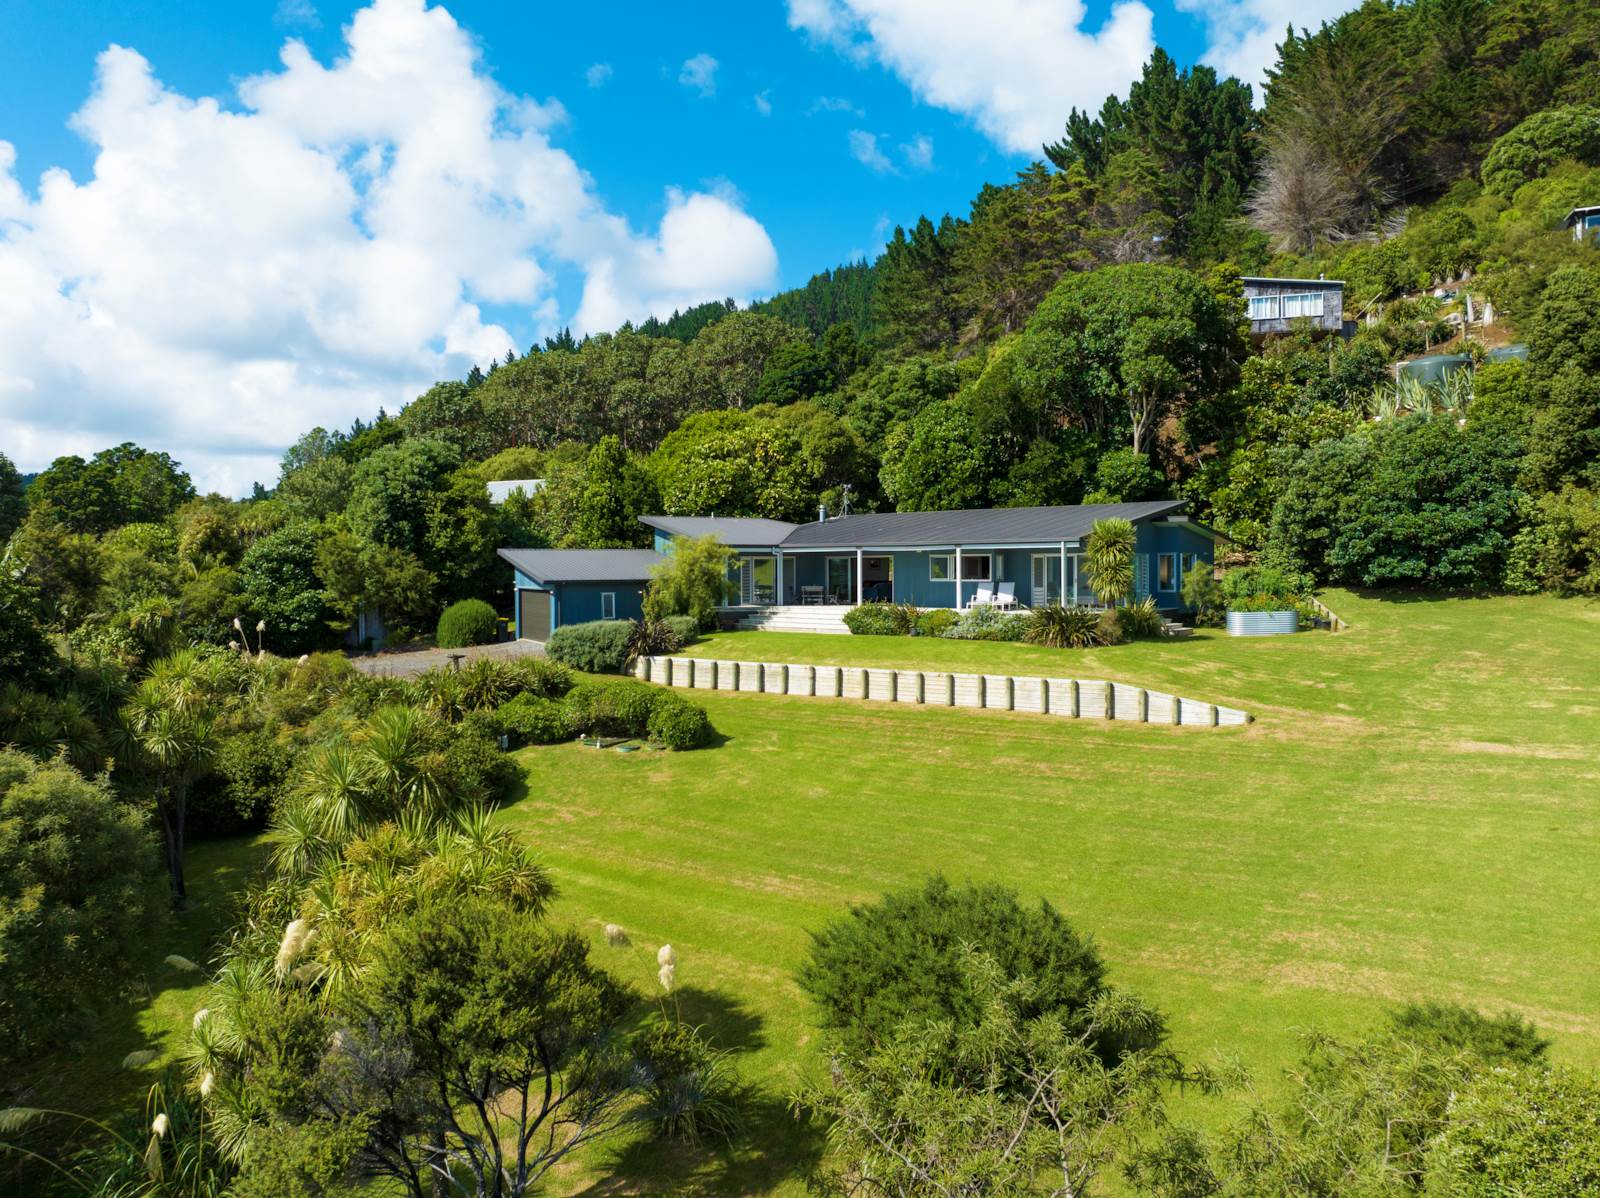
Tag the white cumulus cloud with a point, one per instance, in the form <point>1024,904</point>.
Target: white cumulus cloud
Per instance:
<point>598,75</point>
<point>1016,68</point>
<point>229,275</point>
<point>1242,36</point>
<point>700,73</point>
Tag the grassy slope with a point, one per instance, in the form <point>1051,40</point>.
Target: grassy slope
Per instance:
<point>1412,814</point>
<point>86,1076</point>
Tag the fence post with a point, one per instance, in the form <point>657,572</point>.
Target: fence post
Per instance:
<point>1111,700</point>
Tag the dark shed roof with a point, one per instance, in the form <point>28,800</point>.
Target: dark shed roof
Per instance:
<point>989,526</point>
<point>584,565</point>
<point>731,530</point>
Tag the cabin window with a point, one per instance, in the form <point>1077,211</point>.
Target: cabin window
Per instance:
<point>975,567</point>
<point>1167,572</point>
<point>1263,307</point>
<point>608,605</point>
<point>1302,303</point>
<point>1190,561</point>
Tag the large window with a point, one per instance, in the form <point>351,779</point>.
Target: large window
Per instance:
<point>1263,307</point>
<point>608,605</point>
<point>1302,303</point>
<point>975,567</point>
<point>1167,572</point>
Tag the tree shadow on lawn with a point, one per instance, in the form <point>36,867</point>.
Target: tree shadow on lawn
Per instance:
<point>85,1075</point>
<point>728,1023</point>
<point>777,1146</point>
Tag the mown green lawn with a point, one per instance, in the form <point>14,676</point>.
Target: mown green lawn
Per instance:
<point>85,1076</point>
<point>1413,814</point>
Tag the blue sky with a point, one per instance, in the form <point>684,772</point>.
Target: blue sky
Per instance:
<point>632,157</point>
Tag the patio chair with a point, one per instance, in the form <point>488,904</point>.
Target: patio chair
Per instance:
<point>1005,594</point>
<point>811,595</point>
<point>982,597</point>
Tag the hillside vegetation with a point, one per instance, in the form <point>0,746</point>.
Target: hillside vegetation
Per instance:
<point>423,959</point>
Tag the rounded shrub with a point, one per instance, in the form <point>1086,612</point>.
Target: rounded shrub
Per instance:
<point>615,707</point>
<point>469,622</point>
<point>900,959</point>
<point>530,720</point>
<point>675,723</point>
<point>598,647</point>
<point>936,621</point>
<point>983,622</point>
<point>879,619</point>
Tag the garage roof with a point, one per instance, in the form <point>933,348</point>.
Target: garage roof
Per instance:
<point>730,530</point>
<point>584,565</point>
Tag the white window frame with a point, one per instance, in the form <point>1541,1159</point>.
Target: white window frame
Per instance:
<point>949,560</point>
<point>608,600</point>
<point>1172,575</point>
<point>1187,562</point>
<point>1265,307</point>
<point>1298,305</point>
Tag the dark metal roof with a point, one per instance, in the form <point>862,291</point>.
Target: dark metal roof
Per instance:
<point>989,526</point>
<point>584,565</point>
<point>1296,282</point>
<point>731,530</point>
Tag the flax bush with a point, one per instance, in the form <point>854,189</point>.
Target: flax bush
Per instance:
<point>1062,627</point>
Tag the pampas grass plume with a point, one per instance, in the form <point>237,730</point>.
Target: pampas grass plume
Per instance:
<point>160,1125</point>
<point>293,943</point>
<point>615,936</point>
<point>208,1083</point>
<point>666,955</point>
<point>200,1017</point>
<point>668,977</point>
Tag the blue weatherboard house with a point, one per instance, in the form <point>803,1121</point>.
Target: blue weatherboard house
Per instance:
<point>1031,555</point>
<point>553,587</point>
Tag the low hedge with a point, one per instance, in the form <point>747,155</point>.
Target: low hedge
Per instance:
<point>881,619</point>
<point>599,647</point>
<point>623,707</point>
<point>469,622</point>
<point>531,720</point>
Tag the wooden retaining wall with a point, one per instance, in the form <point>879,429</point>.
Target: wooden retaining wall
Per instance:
<point>1073,698</point>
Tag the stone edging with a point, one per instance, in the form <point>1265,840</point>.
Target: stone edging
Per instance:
<point>1073,698</point>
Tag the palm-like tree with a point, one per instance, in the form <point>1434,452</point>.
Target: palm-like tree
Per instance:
<point>1108,554</point>
<point>167,730</point>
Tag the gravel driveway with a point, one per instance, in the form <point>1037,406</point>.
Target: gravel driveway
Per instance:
<point>417,661</point>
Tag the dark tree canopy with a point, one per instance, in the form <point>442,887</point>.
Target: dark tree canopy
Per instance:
<point>898,960</point>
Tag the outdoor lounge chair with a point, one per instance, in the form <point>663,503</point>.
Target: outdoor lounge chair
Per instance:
<point>1005,594</point>
<point>982,597</point>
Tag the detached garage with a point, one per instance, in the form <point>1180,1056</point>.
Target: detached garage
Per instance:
<point>574,586</point>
